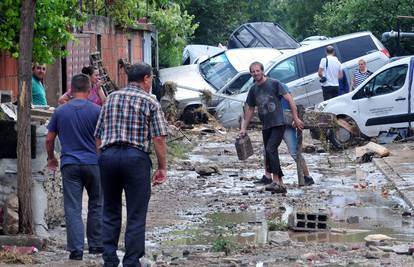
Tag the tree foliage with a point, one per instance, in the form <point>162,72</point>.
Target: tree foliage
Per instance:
<point>54,20</point>
<point>377,16</point>
<point>174,25</point>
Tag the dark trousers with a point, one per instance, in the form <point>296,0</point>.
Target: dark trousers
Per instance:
<point>125,168</point>
<point>330,92</point>
<point>75,178</point>
<point>272,138</point>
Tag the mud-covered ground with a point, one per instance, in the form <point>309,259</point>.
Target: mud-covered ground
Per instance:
<point>224,220</point>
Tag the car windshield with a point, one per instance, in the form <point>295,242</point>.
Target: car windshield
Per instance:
<point>217,71</point>
<point>246,87</point>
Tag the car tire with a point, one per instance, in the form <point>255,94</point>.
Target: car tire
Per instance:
<point>340,137</point>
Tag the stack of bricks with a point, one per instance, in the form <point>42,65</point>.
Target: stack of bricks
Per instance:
<point>303,221</point>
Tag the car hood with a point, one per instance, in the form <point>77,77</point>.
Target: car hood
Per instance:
<point>186,76</point>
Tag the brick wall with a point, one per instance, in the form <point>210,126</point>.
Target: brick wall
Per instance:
<point>8,74</point>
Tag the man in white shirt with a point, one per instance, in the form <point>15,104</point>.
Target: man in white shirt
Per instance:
<point>329,73</point>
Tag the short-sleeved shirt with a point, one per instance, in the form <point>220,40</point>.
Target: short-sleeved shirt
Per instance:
<point>331,73</point>
<point>130,116</point>
<point>38,92</point>
<point>93,95</point>
<point>267,97</point>
<point>74,123</point>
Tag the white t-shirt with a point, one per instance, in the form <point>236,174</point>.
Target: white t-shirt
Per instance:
<point>331,74</point>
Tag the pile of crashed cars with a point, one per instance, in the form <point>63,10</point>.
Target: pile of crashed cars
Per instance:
<point>381,102</point>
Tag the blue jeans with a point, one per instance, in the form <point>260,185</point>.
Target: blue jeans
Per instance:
<point>292,142</point>
<point>125,168</point>
<point>75,178</point>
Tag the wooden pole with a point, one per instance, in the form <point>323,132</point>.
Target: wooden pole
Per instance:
<point>299,135</point>
<point>24,163</point>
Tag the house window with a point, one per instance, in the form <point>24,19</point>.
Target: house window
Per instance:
<point>130,51</point>
<point>99,43</point>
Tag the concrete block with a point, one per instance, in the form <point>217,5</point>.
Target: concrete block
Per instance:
<point>302,221</point>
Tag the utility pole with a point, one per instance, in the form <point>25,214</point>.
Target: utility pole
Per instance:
<point>24,163</point>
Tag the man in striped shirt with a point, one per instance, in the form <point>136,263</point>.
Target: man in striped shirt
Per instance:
<point>128,121</point>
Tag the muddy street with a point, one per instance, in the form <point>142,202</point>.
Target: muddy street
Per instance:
<point>222,219</point>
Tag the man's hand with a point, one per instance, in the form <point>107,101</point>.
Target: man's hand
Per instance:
<point>52,164</point>
<point>159,177</point>
<point>242,133</point>
<point>298,124</point>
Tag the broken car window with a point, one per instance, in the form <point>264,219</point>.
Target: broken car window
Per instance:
<point>217,71</point>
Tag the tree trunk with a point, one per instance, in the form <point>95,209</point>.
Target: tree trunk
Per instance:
<point>24,164</point>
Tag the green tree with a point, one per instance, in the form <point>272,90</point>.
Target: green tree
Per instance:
<point>349,16</point>
<point>54,20</point>
<point>299,16</point>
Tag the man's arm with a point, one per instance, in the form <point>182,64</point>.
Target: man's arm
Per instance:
<point>247,118</point>
<point>340,74</point>
<point>160,147</point>
<point>98,143</point>
<point>52,162</point>
<point>320,72</point>
<point>297,122</point>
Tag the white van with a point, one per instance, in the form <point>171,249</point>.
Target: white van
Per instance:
<point>381,102</point>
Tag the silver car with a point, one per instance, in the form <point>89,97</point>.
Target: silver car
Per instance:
<point>298,70</point>
<point>224,73</point>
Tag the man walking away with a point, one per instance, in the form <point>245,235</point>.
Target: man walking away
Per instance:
<point>128,121</point>
<point>266,94</point>
<point>74,123</point>
<point>329,73</point>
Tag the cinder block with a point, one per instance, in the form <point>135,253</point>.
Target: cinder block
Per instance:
<point>301,221</point>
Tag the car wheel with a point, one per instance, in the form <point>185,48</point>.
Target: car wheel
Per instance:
<point>341,137</point>
<point>194,115</point>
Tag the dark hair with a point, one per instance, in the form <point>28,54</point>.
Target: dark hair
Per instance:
<point>330,49</point>
<point>81,83</point>
<point>138,71</point>
<point>88,70</point>
<point>258,64</point>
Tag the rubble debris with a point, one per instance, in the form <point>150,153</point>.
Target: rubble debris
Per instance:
<point>11,215</point>
<point>206,170</point>
<point>206,96</point>
<point>376,240</point>
<point>309,149</point>
<point>302,221</point>
<point>393,134</point>
<point>365,152</point>
<point>352,220</point>
<point>20,250</point>
<point>168,103</point>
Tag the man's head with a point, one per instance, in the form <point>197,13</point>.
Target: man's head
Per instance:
<point>81,83</point>
<point>141,73</point>
<point>39,70</point>
<point>330,50</point>
<point>256,70</point>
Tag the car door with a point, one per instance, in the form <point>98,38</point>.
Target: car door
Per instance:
<point>233,87</point>
<point>383,101</point>
<point>311,60</point>
<point>288,72</point>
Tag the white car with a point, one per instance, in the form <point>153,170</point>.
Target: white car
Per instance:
<point>223,73</point>
<point>381,102</point>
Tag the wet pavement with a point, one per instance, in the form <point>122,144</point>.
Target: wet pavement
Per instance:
<point>225,220</point>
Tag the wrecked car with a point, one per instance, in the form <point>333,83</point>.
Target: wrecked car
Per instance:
<point>261,34</point>
<point>381,102</point>
<point>298,70</point>
<point>192,54</point>
<point>225,72</point>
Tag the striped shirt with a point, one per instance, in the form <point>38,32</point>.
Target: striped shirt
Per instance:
<point>360,77</point>
<point>130,116</point>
